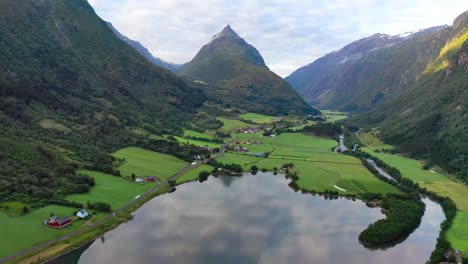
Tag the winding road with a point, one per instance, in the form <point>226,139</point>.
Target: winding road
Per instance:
<point>108,217</point>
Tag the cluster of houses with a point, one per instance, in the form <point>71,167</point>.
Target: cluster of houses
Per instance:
<point>147,179</point>
<point>248,130</point>
<point>62,222</point>
<point>241,149</point>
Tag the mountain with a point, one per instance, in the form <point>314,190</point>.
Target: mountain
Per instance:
<point>363,73</point>
<point>230,68</point>
<point>429,118</point>
<point>70,93</point>
<point>145,52</point>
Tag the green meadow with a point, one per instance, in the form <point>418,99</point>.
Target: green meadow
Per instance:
<point>116,191</point>
<point>199,143</point>
<point>144,163</point>
<point>232,124</point>
<point>28,230</point>
<point>438,183</point>
<point>258,118</point>
<point>318,168</point>
<point>192,133</point>
<point>192,175</point>
<point>333,116</point>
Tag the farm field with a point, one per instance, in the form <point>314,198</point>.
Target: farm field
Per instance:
<point>192,175</point>
<point>333,116</point>
<point>232,124</point>
<point>110,189</point>
<point>258,118</point>
<point>192,133</point>
<point>318,167</point>
<point>440,184</point>
<point>28,230</point>
<point>199,143</point>
<point>144,163</point>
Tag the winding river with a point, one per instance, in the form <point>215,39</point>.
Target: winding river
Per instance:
<point>253,219</point>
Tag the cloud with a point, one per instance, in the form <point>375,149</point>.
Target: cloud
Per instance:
<point>289,34</point>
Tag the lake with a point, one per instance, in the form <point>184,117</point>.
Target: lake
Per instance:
<point>253,219</point>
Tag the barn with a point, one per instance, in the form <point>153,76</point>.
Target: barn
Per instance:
<point>59,223</point>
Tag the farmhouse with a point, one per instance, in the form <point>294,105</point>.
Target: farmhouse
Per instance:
<point>82,214</point>
<point>241,149</point>
<point>59,223</point>
<point>139,179</point>
<point>150,179</point>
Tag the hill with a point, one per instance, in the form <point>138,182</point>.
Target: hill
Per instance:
<point>71,92</point>
<point>230,68</point>
<point>429,118</point>
<point>363,73</point>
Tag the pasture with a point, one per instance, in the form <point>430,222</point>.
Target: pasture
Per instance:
<point>258,118</point>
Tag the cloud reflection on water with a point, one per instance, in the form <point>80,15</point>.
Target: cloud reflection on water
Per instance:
<point>254,219</point>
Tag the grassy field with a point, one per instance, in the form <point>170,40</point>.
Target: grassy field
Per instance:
<point>318,167</point>
<point>333,116</point>
<point>372,140</point>
<point>22,232</point>
<point>192,133</point>
<point>193,174</point>
<point>199,143</point>
<point>110,189</point>
<point>148,163</point>
<point>258,118</point>
<point>232,124</point>
<point>438,183</point>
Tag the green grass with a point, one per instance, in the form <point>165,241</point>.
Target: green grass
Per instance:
<point>333,116</point>
<point>13,209</point>
<point>148,163</point>
<point>192,133</point>
<point>26,231</point>
<point>192,175</point>
<point>439,183</point>
<point>258,118</point>
<point>232,124</point>
<point>317,166</point>
<point>199,143</point>
<point>110,189</point>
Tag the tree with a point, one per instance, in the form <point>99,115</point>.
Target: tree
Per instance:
<point>133,176</point>
<point>25,210</point>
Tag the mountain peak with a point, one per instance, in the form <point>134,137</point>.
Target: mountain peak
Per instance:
<point>227,32</point>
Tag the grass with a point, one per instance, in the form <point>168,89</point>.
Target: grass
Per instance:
<point>110,189</point>
<point>192,133</point>
<point>199,143</point>
<point>439,183</point>
<point>192,175</point>
<point>28,230</point>
<point>333,116</point>
<point>258,118</point>
<point>317,166</point>
<point>143,163</point>
<point>13,209</point>
<point>232,124</point>
<point>51,124</point>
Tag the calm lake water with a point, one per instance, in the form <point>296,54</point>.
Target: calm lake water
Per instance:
<point>253,219</point>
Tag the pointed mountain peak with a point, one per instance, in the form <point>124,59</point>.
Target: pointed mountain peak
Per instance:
<point>227,32</point>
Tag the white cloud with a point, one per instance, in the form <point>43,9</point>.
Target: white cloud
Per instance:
<point>289,34</point>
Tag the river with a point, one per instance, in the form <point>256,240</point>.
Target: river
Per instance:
<point>253,219</point>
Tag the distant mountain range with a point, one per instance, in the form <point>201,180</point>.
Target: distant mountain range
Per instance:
<point>145,52</point>
<point>414,85</point>
<point>232,71</point>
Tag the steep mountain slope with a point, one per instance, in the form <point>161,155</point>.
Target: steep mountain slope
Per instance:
<point>359,76</point>
<point>70,91</point>
<point>145,52</point>
<point>230,68</point>
<point>430,119</point>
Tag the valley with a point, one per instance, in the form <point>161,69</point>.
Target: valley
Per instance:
<point>109,153</point>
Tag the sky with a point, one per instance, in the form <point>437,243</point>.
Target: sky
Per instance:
<point>288,34</point>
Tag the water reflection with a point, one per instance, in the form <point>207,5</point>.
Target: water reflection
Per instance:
<point>254,219</point>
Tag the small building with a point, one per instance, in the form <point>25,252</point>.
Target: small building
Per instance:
<point>207,148</point>
<point>59,223</point>
<point>241,149</point>
<point>151,179</point>
<point>139,179</point>
<point>82,214</point>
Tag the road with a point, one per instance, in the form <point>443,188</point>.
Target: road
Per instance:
<point>108,217</point>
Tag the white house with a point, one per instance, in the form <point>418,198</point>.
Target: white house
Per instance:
<point>82,213</point>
